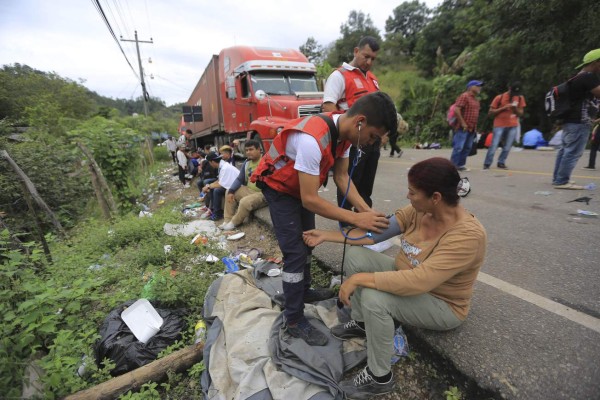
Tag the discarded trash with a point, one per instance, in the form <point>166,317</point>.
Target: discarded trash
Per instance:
<point>230,265</point>
<point>400,345</point>
<point>167,248</point>
<point>245,260</point>
<point>194,205</point>
<point>464,187</point>
<point>142,319</point>
<point>590,186</point>
<point>587,213</point>
<point>274,272</point>
<point>200,329</point>
<point>143,214</point>
<point>118,343</point>
<point>211,258</point>
<point>335,280</point>
<point>584,199</point>
<point>191,228</point>
<point>199,239</point>
<point>236,236</point>
<point>81,370</point>
<point>543,193</point>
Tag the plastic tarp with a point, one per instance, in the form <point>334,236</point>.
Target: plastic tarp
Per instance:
<point>247,354</point>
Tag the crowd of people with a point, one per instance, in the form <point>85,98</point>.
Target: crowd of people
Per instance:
<point>429,284</point>
<point>574,126</point>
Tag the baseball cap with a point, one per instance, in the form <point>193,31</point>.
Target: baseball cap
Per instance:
<point>590,57</point>
<point>212,156</point>
<point>474,83</point>
<point>515,86</point>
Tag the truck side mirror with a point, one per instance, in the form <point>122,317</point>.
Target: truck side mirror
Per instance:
<point>260,94</point>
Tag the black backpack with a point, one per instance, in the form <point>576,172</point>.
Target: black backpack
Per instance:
<point>558,100</point>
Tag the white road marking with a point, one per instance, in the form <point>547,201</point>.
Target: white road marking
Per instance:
<point>559,309</point>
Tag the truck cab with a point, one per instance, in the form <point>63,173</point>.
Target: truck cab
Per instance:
<point>258,90</point>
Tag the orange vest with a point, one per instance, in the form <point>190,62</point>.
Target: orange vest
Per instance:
<point>285,179</point>
<point>357,84</point>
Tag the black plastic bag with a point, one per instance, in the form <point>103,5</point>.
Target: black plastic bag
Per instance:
<point>119,344</point>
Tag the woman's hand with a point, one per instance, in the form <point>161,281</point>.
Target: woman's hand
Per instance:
<point>346,290</point>
<point>313,238</point>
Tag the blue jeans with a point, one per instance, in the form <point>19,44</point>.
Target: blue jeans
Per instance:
<point>574,139</point>
<point>461,147</point>
<point>508,133</point>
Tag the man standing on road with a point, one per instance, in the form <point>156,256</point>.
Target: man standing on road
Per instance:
<point>343,87</point>
<point>290,175</point>
<point>584,95</point>
<point>506,108</point>
<point>467,114</point>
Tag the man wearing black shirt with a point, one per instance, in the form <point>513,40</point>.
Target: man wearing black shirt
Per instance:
<point>584,92</point>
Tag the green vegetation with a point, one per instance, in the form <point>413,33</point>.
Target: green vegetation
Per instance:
<point>56,308</point>
<point>427,56</point>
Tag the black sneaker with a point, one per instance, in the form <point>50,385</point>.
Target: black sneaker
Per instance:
<point>349,330</point>
<point>364,386</point>
<point>305,331</point>
<point>486,167</point>
<point>502,166</point>
<point>312,295</point>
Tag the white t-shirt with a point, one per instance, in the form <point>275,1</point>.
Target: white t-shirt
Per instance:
<point>306,152</point>
<point>227,174</point>
<point>335,87</point>
<point>171,145</point>
<point>181,159</point>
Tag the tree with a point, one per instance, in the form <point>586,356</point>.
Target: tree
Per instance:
<point>406,22</point>
<point>358,26</point>
<point>312,50</point>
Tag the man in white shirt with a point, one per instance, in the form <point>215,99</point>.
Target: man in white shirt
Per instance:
<point>216,190</point>
<point>172,147</point>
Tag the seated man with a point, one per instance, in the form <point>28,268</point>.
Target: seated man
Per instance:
<point>215,191</point>
<point>243,194</point>
<point>227,153</point>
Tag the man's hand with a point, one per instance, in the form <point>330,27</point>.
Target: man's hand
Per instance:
<point>231,197</point>
<point>371,221</point>
<point>313,238</point>
<point>205,189</point>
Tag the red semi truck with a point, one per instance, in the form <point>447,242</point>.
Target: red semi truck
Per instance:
<point>250,93</point>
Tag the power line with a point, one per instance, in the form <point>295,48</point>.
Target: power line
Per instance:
<point>98,7</point>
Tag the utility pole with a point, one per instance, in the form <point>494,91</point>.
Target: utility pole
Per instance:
<point>137,46</point>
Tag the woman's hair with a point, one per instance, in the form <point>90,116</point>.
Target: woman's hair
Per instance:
<point>436,175</point>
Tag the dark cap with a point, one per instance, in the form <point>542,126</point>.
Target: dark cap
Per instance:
<point>515,86</point>
<point>212,156</point>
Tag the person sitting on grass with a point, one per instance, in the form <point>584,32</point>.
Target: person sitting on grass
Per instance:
<point>429,284</point>
<point>243,196</point>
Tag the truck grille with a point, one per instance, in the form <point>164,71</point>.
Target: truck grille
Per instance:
<point>309,109</point>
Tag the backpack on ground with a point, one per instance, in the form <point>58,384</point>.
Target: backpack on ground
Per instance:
<point>451,117</point>
<point>558,100</point>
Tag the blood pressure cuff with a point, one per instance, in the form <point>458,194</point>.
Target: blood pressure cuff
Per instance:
<point>392,230</point>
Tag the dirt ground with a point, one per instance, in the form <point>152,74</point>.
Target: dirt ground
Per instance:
<point>420,376</point>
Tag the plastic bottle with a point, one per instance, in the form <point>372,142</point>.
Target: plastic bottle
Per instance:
<point>590,186</point>
<point>200,332</point>
<point>400,345</point>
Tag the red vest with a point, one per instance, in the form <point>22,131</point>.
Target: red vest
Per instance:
<point>357,84</point>
<point>285,179</point>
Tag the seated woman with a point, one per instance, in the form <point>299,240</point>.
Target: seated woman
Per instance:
<point>428,285</point>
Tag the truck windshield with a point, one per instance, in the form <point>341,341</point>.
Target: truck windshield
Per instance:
<point>274,83</point>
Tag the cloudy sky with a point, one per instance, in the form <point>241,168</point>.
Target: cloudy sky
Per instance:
<point>69,37</point>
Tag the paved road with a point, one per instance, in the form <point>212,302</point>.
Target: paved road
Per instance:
<point>534,327</point>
